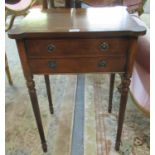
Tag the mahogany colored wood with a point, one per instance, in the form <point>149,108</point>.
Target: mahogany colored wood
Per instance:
<point>57,47</point>
<point>112,80</point>
<point>90,40</point>
<point>32,91</point>
<point>78,65</point>
<point>46,5</point>
<point>125,88</point>
<point>77,23</point>
<point>47,82</point>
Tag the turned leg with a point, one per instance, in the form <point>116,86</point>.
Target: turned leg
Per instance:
<point>36,110</point>
<point>123,101</point>
<point>47,81</point>
<point>112,80</point>
<point>7,70</point>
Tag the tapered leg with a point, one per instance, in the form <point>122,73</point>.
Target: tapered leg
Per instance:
<point>112,80</point>
<point>47,81</point>
<point>34,101</point>
<point>7,70</point>
<point>123,101</point>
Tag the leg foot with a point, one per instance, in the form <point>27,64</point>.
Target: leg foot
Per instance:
<point>51,109</point>
<point>44,146</point>
<point>117,145</point>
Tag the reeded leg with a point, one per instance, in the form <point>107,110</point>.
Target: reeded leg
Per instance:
<point>36,110</point>
<point>112,80</point>
<point>123,101</point>
<point>47,81</point>
<point>7,70</point>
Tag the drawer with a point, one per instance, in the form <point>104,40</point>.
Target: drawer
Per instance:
<point>75,47</point>
<point>78,65</point>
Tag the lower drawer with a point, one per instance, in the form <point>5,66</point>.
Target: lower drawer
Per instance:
<point>77,65</point>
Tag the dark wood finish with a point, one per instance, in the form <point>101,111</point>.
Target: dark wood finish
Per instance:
<point>71,41</point>
<point>77,23</point>
<point>125,88</point>
<point>90,47</point>
<point>78,65</point>
<point>48,89</point>
<point>32,92</point>
<point>112,80</point>
<point>46,5</point>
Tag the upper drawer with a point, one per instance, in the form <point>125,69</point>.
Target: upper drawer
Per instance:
<point>75,47</point>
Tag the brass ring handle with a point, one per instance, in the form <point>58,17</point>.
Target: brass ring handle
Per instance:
<point>104,46</point>
<point>52,64</point>
<point>102,63</point>
<point>51,48</point>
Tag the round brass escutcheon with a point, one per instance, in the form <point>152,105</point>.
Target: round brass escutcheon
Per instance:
<point>51,48</point>
<point>52,64</point>
<point>102,63</point>
<point>104,46</point>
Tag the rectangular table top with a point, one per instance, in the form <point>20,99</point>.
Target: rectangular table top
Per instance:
<point>90,22</point>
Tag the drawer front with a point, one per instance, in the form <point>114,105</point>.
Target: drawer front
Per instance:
<point>78,65</point>
<point>75,47</point>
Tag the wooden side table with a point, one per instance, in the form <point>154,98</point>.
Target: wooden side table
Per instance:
<point>58,41</point>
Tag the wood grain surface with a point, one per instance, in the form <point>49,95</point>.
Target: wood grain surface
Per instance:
<point>59,23</point>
